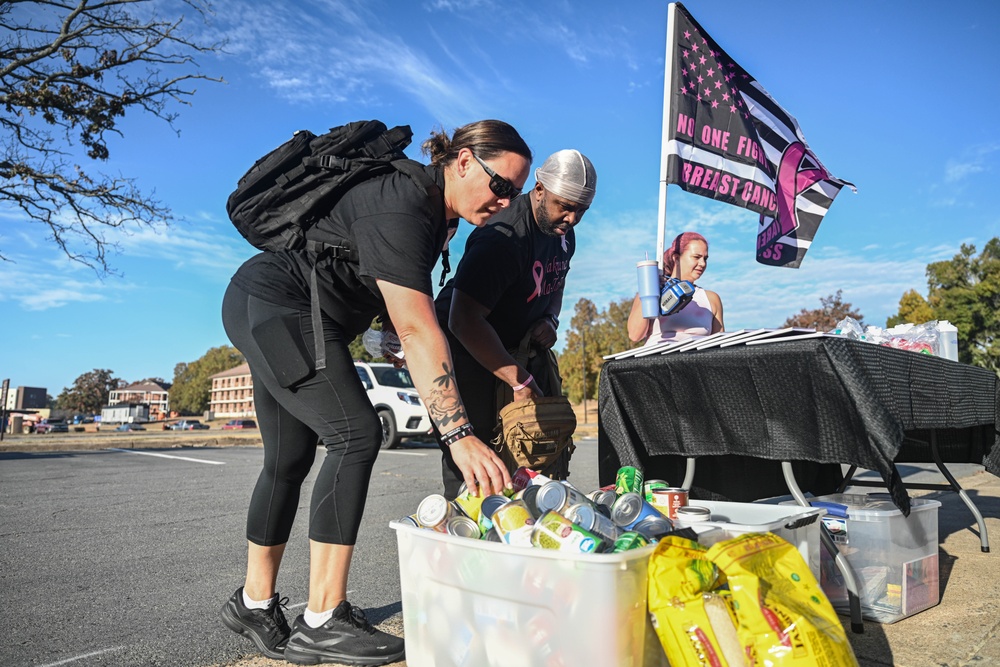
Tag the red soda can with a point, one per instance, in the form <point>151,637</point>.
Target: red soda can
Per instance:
<point>525,477</point>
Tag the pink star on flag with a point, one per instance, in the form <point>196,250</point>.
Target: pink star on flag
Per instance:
<point>711,71</point>
<point>725,97</point>
<point>701,61</point>
<point>732,108</point>
<point>708,92</point>
<point>718,84</point>
<point>715,104</point>
<point>694,47</point>
<point>693,67</point>
<point>686,54</point>
<point>687,34</point>
<point>701,79</point>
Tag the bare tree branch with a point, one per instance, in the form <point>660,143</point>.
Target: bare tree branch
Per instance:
<point>69,71</point>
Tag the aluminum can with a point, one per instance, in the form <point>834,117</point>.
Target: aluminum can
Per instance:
<point>462,526</point>
<point>558,496</point>
<point>513,523</point>
<point>653,527</point>
<point>588,518</point>
<point>410,521</point>
<point>629,540</point>
<point>606,497</point>
<point>491,536</point>
<point>668,500</point>
<point>631,508</point>
<point>488,507</point>
<point>651,485</point>
<point>554,531</point>
<point>530,496</point>
<point>692,514</point>
<point>628,480</point>
<point>525,477</point>
<point>469,504</point>
<point>434,511</point>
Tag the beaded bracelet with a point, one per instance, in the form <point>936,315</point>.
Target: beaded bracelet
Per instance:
<point>525,384</point>
<point>456,434</point>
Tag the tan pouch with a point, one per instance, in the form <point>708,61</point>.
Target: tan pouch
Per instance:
<point>534,432</point>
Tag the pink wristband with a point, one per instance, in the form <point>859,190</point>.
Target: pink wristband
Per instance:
<point>519,387</point>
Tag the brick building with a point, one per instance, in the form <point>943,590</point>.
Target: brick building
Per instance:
<point>231,395</point>
<point>153,394</point>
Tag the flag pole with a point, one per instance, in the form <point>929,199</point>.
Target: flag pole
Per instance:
<point>668,71</point>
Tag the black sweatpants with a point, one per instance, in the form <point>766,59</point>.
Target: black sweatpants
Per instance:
<point>328,406</point>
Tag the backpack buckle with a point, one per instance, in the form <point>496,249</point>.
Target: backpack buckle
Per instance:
<point>328,162</point>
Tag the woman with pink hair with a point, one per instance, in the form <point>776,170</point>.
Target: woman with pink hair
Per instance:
<point>686,259</point>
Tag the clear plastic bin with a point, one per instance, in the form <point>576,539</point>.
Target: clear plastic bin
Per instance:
<point>477,604</point>
<point>798,525</point>
<point>895,558</point>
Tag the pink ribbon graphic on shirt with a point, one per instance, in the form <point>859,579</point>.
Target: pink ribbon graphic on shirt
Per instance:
<point>538,273</point>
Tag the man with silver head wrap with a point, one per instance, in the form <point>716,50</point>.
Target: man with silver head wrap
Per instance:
<point>508,288</point>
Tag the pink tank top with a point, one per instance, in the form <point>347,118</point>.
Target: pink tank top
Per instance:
<point>694,321</point>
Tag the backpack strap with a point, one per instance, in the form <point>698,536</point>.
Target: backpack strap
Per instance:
<point>344,250</point>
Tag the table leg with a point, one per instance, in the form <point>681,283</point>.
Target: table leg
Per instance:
<point>847,479</point>
<point>984,540</point>
<point>857,625</point>
<point>688,474</point>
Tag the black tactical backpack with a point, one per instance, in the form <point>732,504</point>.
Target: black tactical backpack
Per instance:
<point>277,203</point>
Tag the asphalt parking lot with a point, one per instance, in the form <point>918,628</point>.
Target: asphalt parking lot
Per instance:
<point>124,557</point>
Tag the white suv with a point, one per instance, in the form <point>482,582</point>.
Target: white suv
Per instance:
<point>399,407</point>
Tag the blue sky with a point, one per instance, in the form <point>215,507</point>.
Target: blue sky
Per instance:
<point>897,97</point>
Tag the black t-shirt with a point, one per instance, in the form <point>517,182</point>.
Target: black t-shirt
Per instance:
<point>398,237</point>
<point>511,268</point>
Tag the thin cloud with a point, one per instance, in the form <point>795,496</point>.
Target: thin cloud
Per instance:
<point>337,52</point>
<point>975,161</point>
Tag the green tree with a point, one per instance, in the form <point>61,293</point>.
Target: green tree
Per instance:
<point>576,363</point>
<point>89,392</point>
<point>965,290</point>
<point>69,72</point>
<point>913,309</point>
<point>599,333</point>
<point>189,394</point>
<point>832,310</point>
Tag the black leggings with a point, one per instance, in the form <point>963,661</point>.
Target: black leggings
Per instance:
<point>328,406</point>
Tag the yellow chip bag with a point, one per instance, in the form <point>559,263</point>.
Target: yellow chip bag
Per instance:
<point>785,620</point>
<point>694,622</point>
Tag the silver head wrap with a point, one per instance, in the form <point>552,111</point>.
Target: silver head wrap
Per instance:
<point>570,175</point>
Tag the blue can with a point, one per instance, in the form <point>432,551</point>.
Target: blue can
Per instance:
<point>630,509</point>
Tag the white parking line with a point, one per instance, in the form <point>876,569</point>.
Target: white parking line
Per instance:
<point>167,456</point>
<point>84,656</point>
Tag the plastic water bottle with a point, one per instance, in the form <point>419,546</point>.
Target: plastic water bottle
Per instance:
<point>648,274</point>
<point>382,344</point>
<point>948,341</point>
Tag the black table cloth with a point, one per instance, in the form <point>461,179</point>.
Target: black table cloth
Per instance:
<point>823,400</point>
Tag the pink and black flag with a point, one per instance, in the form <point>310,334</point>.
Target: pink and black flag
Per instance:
<point>726,138</point>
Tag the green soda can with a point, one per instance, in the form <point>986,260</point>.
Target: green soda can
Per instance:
<point>629,540</point>
<point>651,485</point>
<point>628,480</point>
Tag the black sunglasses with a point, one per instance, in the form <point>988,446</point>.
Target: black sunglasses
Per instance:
<point>499,185</point>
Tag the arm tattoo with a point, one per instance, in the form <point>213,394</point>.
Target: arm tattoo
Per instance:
<point>443,403</point>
